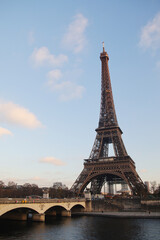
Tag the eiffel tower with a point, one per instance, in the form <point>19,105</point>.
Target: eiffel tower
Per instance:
<point>100,167</point>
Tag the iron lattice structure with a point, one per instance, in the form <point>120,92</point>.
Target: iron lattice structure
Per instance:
<point>101,167</point>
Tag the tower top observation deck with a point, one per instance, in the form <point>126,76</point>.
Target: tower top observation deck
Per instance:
<point>104,53</point>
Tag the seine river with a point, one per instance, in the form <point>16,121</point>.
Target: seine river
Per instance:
<point>82,228</point>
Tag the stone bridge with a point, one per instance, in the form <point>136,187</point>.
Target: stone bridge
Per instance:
<point>38,210</point>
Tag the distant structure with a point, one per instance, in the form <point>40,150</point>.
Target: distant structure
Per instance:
<point>124,187</point>
<point>147,185</point>
<point>103,165</point>
<point>59,185</point>
<point>45,192</point>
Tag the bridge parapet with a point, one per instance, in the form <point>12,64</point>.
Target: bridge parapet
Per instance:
<point>40,206</point>
<point>24,200</point>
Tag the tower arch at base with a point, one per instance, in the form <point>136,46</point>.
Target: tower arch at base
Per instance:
<point>101,178</point>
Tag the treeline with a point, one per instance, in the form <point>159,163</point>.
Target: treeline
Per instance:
<point>12,190</point>
<point>155,189</point>
<point>156,193</point>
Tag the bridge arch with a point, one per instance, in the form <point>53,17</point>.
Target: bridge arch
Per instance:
<point>57,210</point>
<point>55,206</point>
<point>77,208</point>
<point>13,207</point>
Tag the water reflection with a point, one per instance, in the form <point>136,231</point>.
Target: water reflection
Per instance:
<point>82,228</point>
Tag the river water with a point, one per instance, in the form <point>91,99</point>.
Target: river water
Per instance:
<point>82,228</point>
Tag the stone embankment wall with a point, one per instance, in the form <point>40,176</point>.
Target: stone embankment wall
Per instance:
<point>99,205</point>
<point>131,205</point>
<point>151,205</point>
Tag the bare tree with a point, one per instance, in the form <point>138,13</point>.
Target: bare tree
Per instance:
<point>12,184</point>
<point>2,185</point>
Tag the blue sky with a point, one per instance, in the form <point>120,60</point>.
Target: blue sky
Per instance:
<point>50,75</point>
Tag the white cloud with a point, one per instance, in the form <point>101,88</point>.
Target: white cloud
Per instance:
<point>4,131</point>
<point>74,38</point>
<point>42,56</point>
<point>150,34</point>
<point>67,90</point>
<point>17,115</point>
<point>52,160</point>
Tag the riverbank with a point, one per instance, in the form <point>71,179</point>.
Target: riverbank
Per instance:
<point>143,215</point>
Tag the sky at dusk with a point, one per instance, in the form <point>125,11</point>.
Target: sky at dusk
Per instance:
<point>50,85</point>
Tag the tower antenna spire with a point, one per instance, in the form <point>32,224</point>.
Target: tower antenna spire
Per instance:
<point>103,46</point>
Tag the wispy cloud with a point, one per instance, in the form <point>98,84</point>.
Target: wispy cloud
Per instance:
<point>4,131</point>
<point>75,39</point>
<point>143,170</point>
<point>150,34</point>
<point>52,160</point>
<point>42,56</point>
<point>32,180</point>
<point>67,90</point>
<point>17,115</point>
<point>53,76</point>
<point>62,84</point>
<point>70,90</point>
